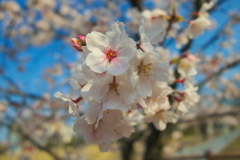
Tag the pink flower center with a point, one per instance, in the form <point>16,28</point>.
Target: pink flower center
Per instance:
<point>110,54</point>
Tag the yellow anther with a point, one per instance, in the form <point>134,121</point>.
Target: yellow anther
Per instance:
<point>146,69</point>
<point>81,43</point>
<point>184,64</point>
<point>113,86</point>
<point>111,54</point>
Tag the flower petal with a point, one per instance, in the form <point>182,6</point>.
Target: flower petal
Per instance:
<point>97,41</point>
<point>161,72</point>
<point>144,87</point>
<point>118,66</point>
<point>93,112</point>
<point>61,96</point>
<point>96,62</point>
<point>125,51</point>
<point>160,125</point>
<point>156,34</point>
<point>115,34</point>
<point>73,109</point>
<point>112,101</point>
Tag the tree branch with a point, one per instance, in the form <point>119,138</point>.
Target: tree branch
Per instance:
<point>137,4</point>
<point>200,118</point>
<point>19,93</point>
<point>220,71</point>
<point>30,139</point>
<point>36,144</point>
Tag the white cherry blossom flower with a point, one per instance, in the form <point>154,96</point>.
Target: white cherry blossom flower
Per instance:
<point>188,98</point>
<point>110,128</point>
<point>155,17</point>
<point>160,116</point>
<point>197,26</point>
<point>147,70</point>
<point>111,52</point>
<point>186,67</point>
<point>113,92</point>
<point>153,36</point>
<point>73,107</point>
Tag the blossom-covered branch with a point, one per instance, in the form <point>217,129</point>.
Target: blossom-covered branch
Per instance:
<point>219,72</point>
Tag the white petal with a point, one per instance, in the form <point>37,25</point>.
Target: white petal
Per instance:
<point>142,30</point>
<point>118,66</point>
<point>61,96</point>
<point>150,58</point>
<point>161,72</point>
<point>146,46</point>
<point>134,78</point>
<point>128,42</point>
<point>145,42</point>
<point>171,117</point>
<point>80,126</point>
<point>142,102</point>
<point>144,87</point>
<point>156,34</point>
<point>112,101</point>
<point>115,34</point>
<point>126,52</point>
<point>73,109</point>
<point>161,125</point>
<point>127,94</point>
<point>85,90</point>
<point>182,107</point>
<point>124,129</point>
<point>74,84</point>
<point>112,117</point>
<point>96,61</point>
<point>92,112</point>
<point>97,41</point>
<point>98,91</point>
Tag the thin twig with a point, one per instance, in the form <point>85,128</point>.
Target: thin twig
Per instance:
<point>219,72</point>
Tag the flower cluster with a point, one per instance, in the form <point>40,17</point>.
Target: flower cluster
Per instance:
<point>125,82</point>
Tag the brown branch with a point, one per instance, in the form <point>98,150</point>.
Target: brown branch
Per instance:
<point>219,72</point>
<point>19,93</point>
<point>216,35</point>
<point>17,128</point>
<point>200,118</point>
<point>198,4</point>
<point>137,4</point>
<point>127,148</point>
<point>37,145</point>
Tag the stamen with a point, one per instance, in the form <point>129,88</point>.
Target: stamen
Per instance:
<point>81,42</point>
<point>114,85</point>
<point>110,54</point>
<point>146,69</point>
<point>160,113</point>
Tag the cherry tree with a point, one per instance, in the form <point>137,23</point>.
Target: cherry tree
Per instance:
<point>131,81</point>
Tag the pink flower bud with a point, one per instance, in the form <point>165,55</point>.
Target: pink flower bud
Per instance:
<point>76,44</point>
<point>82,38</point>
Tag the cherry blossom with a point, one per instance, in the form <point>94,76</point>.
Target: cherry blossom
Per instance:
<point>110,128</point>
<point>111,52</point>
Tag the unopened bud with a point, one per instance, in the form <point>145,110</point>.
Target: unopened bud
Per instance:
<point>78,43</point>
